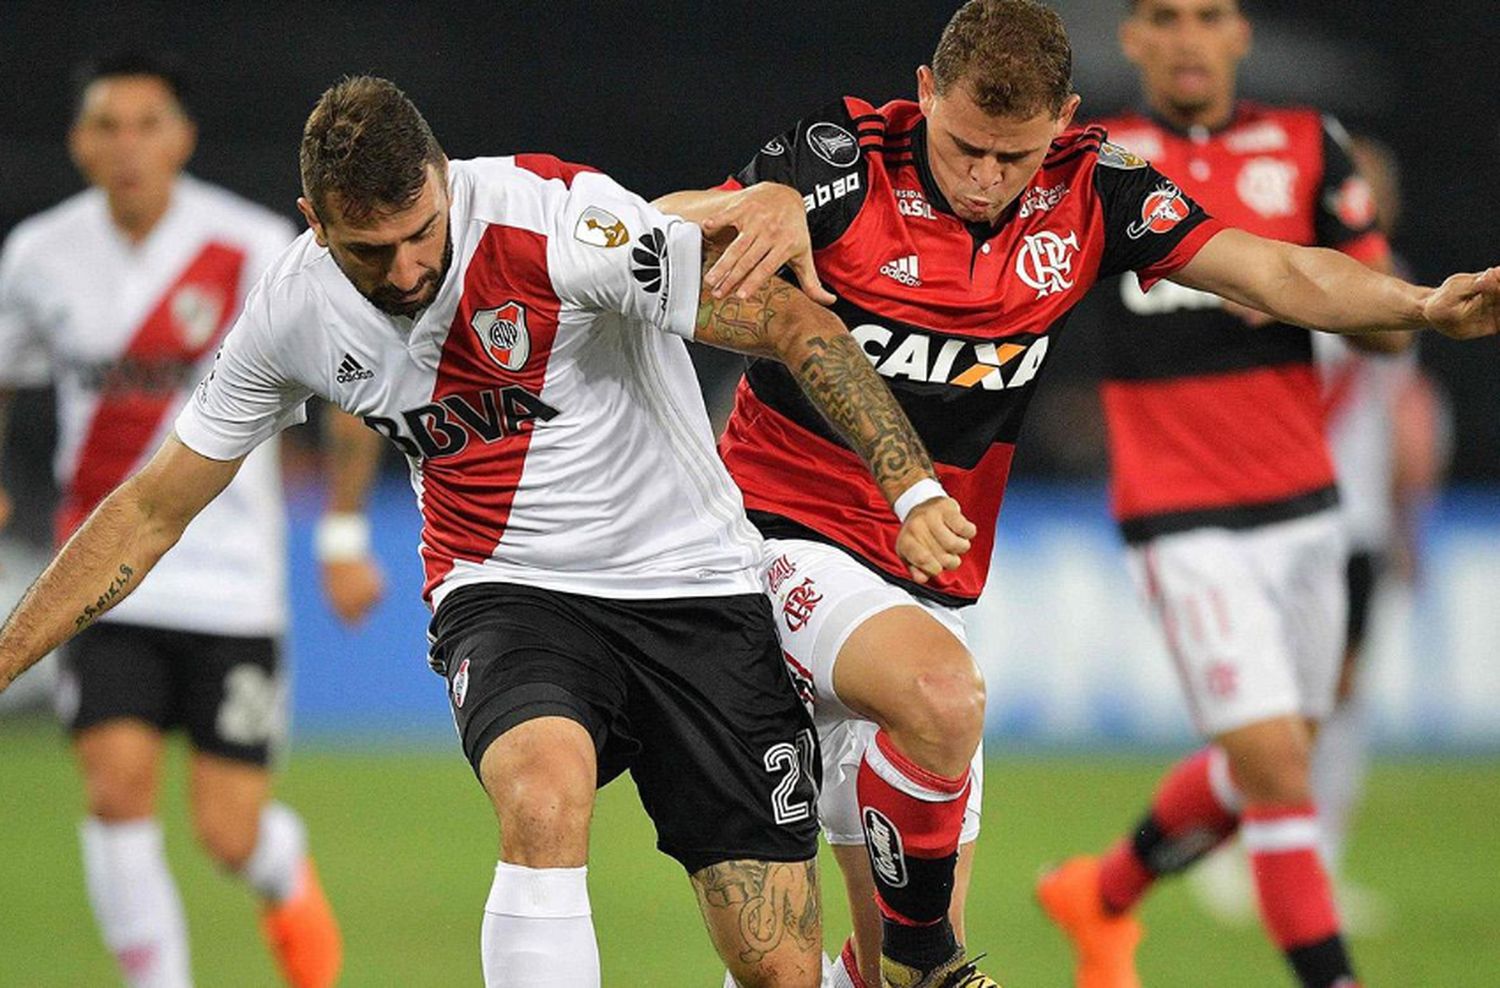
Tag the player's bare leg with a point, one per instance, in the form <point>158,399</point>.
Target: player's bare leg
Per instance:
<point>765,920</point>
<point>864,914</point>
<point>538,927</point>
<point>265,843</point>
<point>130,888</point>
<point>917,682</point>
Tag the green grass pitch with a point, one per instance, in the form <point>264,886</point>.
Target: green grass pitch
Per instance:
<point>405,845</point>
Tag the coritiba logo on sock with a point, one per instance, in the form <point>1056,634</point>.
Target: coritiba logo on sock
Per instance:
<point>883,841</point>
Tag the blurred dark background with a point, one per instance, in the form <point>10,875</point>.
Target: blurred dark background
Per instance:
<point>667,95</point>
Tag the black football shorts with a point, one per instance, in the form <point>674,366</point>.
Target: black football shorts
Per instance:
<point>689,694</point>
<point>226,691</point>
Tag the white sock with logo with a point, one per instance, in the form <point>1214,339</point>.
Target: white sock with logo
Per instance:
<point>538,929</point>
<point>274,868</point>
<point>135,902</point>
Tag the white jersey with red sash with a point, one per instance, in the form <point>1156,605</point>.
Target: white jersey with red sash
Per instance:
<point>545,401</point>
<point>124,330</point>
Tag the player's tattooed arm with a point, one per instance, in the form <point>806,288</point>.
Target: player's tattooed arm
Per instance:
<point>762,913</point>
<point>778,321</point>
<point>107,558</point>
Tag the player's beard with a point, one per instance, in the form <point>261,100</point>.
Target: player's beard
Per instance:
<point>387,299</point>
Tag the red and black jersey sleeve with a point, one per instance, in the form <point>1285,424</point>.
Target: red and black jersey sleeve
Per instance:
<point>1344,215</point>
<point>1151,226</point>
<point>822,157</point>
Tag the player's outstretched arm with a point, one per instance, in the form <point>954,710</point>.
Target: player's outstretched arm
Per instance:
<point>352,578</point>
<point>1325,290</point>
<point>781,323</point>
<point>107,558</point>
<point>770,224</point>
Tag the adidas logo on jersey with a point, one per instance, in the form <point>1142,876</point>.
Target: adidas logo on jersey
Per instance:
<point>903,269</point>
<point>350,370</point>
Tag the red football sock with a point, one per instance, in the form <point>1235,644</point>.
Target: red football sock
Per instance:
<point>1195,809</point>
<point>912,820</point>
<point>1296,898</point>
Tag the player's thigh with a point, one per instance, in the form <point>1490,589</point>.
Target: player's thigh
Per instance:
<point>116,696</point>
<point>1222,625</point>
<point>231,694</point>
<point>226,796</point>
<point>538,703</point>
<point>862,643</point>
<point>765,920</point>
<point>727,765</point>
<point>1305,561</point>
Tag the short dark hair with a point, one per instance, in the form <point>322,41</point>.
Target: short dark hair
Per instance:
<point>366,143</point>
<point>129,63</point>
<point>1012,55</point>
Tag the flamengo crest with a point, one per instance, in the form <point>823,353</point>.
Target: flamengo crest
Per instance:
<point>503,334</point>
<point>1046,261</point>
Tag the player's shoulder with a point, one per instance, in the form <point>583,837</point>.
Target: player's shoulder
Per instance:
<point>56,227</point>
<point>232,214</point>
<point>531,191</point>
<point>1078,154</point>
<point>1265,128</point>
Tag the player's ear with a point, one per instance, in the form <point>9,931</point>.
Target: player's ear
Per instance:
<point>305,207</point>
<point>1069,111</point>
<point>926,89</point>
<point>1130,40</point>
<point>1244,36</point>
<point>187,142</point>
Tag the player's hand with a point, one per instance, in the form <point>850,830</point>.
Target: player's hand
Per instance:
<point>1466,306</point>
<point>353,587</point>
<point>771,231</point>
<point>933,537</point>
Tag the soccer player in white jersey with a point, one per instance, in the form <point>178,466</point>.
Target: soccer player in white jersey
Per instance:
<point>515,326</point>
<point>120,295</point>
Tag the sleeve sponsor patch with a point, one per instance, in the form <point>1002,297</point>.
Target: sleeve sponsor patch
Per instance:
<point>600,228</point>
<point>833,144</point>
<point>1161,211</point>
<point>1113,156</point>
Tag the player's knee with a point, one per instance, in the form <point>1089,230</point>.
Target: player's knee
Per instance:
<point>121,793</point>
<point>226,833</point>
<point>946,710</point>
<point>1278,775</point>
<point>544,809</point>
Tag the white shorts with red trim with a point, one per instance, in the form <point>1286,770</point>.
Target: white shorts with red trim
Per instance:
<point>821,595</point>
<point>1254,619</point>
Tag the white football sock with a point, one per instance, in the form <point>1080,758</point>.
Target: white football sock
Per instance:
<point>135,902</point>
<point>274,868</point>
<point>1340,762</point>
<point>538,929</point>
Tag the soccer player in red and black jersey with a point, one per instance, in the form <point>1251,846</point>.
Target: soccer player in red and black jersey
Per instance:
<point>1225,492</point>
<point>958,233</point>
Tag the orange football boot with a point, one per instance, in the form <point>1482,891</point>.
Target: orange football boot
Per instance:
<point>304,936</point>
<point>1103,943</point>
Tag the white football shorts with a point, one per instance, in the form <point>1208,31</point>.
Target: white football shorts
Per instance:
<point>820,595</point>
<point>1254,619</point>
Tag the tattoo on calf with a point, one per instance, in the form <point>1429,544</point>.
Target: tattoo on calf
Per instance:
<point>752,907</point>
<point>109,596</point>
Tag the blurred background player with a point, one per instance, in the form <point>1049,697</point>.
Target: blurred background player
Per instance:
<point>1387,432</point>
<point>121,294</point>
<point>1225,493</point>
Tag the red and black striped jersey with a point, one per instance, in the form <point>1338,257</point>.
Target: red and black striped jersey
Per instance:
<point>957,317</point>
<point>1213,422</point>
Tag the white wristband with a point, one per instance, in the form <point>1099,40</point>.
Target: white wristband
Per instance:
<point>923,490</point>
<point>341,537</point>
